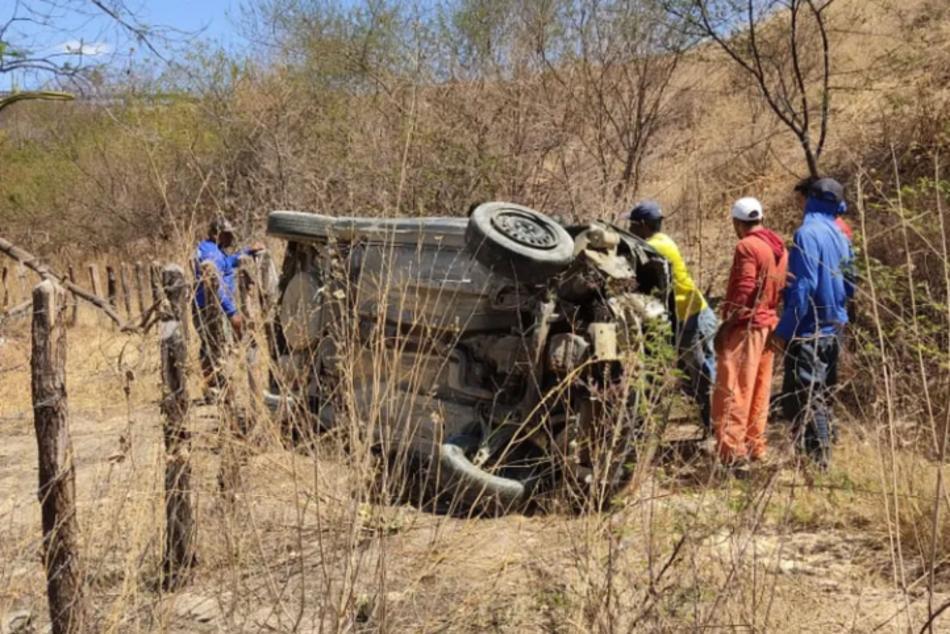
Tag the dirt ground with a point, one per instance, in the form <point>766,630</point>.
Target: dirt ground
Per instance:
<point>301,548</point>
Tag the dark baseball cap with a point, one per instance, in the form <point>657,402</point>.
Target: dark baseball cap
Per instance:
<point>645,210</point>
<point>220,224</point>
<point>827,189</point>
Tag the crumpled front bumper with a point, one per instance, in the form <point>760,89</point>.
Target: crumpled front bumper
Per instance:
<point>277,402</point>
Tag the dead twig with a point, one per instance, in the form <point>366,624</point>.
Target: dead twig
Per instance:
<point>16,311</point>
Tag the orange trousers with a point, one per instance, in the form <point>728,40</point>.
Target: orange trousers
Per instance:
<point>740,402</point>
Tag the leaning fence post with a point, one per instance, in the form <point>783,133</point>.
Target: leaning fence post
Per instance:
<point>57,482</point>
<point>179,519</point>
<point>73,300</point>
<point>94,281</point>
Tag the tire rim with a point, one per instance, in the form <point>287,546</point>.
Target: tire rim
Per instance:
<point>525,229</point>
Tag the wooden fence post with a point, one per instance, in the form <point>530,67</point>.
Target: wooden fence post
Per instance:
<point>179,518</point>
<point>111,287</point>
<point>73,301</point>
<point>251,313</point>
<point>140,288</point>
<point>57,483</point>
<point>111,290</point>
<point>124,287</point>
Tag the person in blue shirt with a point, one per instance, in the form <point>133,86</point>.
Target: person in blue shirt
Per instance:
<point>815,313</point>
<point>214,249</point>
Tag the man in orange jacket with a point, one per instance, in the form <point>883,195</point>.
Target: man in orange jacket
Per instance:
<point>744,360</point>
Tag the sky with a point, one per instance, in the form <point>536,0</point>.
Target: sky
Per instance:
<point>216,17</point>
<point>57,29</point>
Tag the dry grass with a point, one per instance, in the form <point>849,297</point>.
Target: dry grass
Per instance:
<point>308,543</point>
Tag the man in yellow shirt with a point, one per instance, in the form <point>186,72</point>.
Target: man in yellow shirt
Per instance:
<point>696,323</point>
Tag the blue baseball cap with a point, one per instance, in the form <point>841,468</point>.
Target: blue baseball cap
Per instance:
<point>645,210</point>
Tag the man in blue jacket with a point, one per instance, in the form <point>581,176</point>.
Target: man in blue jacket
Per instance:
<point>815,313</point>
<point>213,250</point>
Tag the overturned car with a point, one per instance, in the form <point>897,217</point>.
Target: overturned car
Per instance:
<point>498,357</point>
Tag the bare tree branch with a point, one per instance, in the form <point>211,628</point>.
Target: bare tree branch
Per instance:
<point>36,95</point>
<point>769,71</point>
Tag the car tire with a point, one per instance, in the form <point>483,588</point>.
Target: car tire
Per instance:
<point>518,242</point>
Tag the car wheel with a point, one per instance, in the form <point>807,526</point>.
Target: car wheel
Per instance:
<point>518,242</point>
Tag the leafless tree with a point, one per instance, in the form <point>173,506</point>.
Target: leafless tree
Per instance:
<point>620,81</point>
<point>784,47</point>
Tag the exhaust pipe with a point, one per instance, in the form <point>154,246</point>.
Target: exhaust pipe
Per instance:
<point>477,483</point>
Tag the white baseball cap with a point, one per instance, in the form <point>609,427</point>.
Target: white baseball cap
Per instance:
<point>747,210</point>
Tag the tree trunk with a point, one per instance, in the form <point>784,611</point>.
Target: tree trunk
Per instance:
<point>810,159</point>
<point>180,529</point>
<point>57,484</point>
